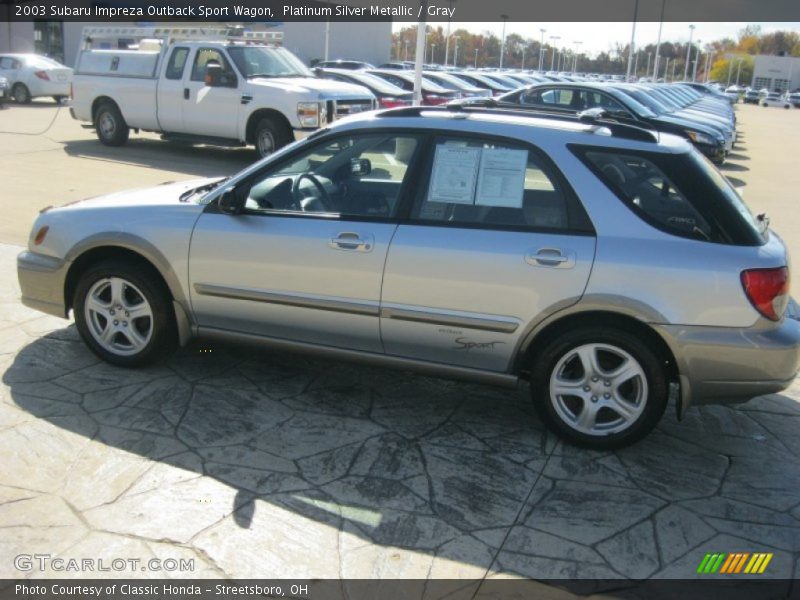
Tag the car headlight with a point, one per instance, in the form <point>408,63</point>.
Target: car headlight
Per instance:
<point>309,113</point>
<point>700,138</point>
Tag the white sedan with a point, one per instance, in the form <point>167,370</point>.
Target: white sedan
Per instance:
<point>32,76</point>
<point>775,99</point>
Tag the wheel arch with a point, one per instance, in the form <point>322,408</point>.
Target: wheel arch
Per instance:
<point>263,113</point>
<point>551,329</point>
<point>100,100</point>
<point>128,247</point>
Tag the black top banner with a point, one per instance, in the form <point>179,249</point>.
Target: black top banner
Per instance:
<point>399,10</point>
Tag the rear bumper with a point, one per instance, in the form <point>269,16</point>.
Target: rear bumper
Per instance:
<point>41,279</point>
<point>720,365</point>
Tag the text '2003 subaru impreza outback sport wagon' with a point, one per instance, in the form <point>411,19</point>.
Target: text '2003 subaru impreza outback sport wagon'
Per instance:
<point>604,263</point>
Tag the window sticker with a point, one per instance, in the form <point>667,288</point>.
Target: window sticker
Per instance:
<point>455,171</point>
<point>501,178</point>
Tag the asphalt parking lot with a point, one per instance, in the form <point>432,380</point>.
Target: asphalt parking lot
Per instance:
<point>257,464</point>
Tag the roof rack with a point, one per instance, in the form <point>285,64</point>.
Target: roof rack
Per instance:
<point>172,34</point>
<point>598,118</point>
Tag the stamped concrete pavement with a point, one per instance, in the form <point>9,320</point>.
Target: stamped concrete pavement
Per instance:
<point>259,464</point>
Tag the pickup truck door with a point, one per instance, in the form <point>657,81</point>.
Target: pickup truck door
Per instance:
<point>207,110</point>
<point>495,241</point>
<point>304,259</point>
<point>170,93</point>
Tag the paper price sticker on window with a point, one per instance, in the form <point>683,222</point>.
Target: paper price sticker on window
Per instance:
<point>501,178</point>
<point>455,170</point>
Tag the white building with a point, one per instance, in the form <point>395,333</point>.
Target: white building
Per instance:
<point>777,73</point>
<point>370,42</point>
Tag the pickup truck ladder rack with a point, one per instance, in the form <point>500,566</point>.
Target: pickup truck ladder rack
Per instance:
<point>178,33</point>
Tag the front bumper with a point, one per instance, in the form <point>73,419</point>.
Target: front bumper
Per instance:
<point>720,365</point>
<point>715,153</point>
<point>41,279</point>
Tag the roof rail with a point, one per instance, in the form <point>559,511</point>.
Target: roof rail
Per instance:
<point>599,119</point>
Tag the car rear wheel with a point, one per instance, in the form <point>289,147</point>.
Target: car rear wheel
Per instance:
<point>123,313</point>
<point>21,93</point>
<point>270,135</point>
<point>110,125</point>
<point>599,387</point>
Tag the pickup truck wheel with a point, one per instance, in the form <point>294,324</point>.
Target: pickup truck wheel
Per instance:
<point>21,94</point>
<point>599,387</point>
<point>110,126</point>
<point>123,314</point>
<point>270,135</point>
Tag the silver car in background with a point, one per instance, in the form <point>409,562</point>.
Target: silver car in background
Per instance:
<point>605,264</point>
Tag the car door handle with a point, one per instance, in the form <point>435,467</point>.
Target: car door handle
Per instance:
<point>348,240</point>
<point>186,93</point>
<point>551,257</point>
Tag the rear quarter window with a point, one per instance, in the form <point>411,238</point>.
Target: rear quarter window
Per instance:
<point>680,194</point>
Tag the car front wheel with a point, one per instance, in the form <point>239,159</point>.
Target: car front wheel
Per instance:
<point>599,387</point>
<point>124,315</point>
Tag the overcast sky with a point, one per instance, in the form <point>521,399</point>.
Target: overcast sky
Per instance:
<point>597,37</point>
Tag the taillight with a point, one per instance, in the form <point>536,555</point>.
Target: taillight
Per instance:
<point>767,290</point>
<point>434,99</point>
<point>42,75</point>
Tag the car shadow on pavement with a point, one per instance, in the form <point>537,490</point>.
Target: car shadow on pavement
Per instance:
<point>319,468</point>
<point>203,161</point>
<point>731,166</point>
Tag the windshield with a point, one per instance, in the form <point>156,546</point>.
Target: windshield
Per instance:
<point>374,82</point>
<point>631,103</point>
<point>261,61</point>
<point>646,99</point>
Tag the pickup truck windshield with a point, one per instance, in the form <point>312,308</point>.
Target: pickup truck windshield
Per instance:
<point>260,61</point>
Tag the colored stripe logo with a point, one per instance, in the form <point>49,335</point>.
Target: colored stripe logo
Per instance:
<point>734,563</point>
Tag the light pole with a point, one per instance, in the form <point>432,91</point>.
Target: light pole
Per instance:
<point>696,60</point>
<point>405,49</point>
<point>433,53</point>
<point>553,61</point>
<point>541,49</point>
<point>503,42</point>
<point>658,43</point>
<point>575,59</point>
<point>674,62</point>
<point>647,70</point>
<point>522,66</point>
<point>636,66</point>
<point>455,50</point>
<point>666,66</point>
<point>633,37</point>
<point>708,63</point>
<point>688,53</point>
<point>476,58</point>
<point>447,36</point>
<point>739,71</point>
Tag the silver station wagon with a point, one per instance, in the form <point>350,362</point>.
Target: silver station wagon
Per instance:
<point>610,266</point>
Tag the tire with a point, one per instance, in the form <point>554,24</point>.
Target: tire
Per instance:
<point>621,412</point>
<point>107,299</point>
<point>111,128</point>
<point>21,94</point>
<point>270,135</point>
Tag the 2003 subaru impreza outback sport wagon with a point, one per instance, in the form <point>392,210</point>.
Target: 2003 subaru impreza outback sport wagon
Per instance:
<point>604,263</point>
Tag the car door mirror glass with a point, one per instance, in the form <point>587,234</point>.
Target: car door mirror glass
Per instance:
<point>359,167</point>
<point>229,202</point>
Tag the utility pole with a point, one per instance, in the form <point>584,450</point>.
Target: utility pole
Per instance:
<point>503,42</point>
<point>658,43</point>
<point>688,54</point>
<point>633,37</point>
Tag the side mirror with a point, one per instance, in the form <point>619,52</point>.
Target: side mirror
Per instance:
<point>360,167</point>
<point>229,202</point>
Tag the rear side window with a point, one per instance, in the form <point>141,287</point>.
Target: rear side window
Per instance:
<point>676,193</point>
<point>177,61</point>
<point>484,183</point>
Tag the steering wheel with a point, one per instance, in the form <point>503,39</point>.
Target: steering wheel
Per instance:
<point>324,198</point>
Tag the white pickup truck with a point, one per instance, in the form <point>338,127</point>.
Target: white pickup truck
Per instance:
<point>220,91</point>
